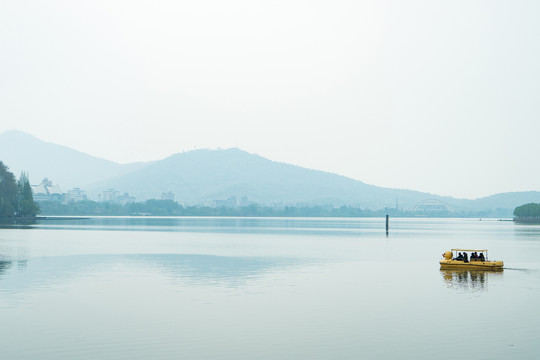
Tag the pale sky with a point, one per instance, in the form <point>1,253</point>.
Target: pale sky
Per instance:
<point>436,96</point>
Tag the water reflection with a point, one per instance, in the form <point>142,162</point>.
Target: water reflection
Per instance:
<point>527,231</point>
<point>203,269</point>
<point>469,280</point>
<point>4,266</point>
<point>17,223</point>
<point>22,264</point>
<point>306,226</point>
<point>192,269</point>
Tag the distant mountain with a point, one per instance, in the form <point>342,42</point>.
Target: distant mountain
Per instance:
<point>508,200</point>
<point>206,175</point>
<point>62,165</point>
<point>202,176</point>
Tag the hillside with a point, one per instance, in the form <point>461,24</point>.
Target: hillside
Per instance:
<point>206,175</point>
<point>62,165</point>
<point>201,176</point>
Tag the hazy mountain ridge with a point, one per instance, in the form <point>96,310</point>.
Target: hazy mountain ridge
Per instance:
<point>507,200</point>
<point>206,175</point>
<point>64,166</point>
<point>201,176</point>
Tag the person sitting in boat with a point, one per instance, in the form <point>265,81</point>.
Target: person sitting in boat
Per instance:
<point>459,257</point>
<point>481,257</point>
<point>465,257</point>
<point>474,256</point>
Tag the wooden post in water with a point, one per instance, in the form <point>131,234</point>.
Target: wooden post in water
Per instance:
<point>387,216</point>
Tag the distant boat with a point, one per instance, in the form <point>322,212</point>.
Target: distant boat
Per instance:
<point>452,260</point>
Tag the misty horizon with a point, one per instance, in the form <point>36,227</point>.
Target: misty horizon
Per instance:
<point>208,175</point>
<point>268,179</point>
<point>417,95</point>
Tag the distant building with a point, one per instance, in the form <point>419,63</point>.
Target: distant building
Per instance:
<point>243,201</point>
<point>167,196</point>
<point>230,202</point>
<point>75,195</point>
<point>432,206</point>
<point>46,191</point>
<point>109,195</point>
<point>124,199</point>
<point>278,205</point>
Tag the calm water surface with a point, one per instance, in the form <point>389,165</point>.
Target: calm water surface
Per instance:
<point>266,288</point>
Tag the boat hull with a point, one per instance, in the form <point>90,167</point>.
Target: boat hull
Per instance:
<point>472,265</point>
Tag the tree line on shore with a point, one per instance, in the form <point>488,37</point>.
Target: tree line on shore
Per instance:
<point>16,199</point>
<point>527,213</point>
<point>173,208</point>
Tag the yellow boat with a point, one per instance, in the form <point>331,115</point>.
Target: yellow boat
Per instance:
<point>451,260</point>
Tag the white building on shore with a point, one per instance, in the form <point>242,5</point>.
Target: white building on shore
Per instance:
<point>46,191</point>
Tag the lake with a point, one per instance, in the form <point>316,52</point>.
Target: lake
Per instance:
<point>266,288</point>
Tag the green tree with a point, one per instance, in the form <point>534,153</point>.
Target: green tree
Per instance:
<point>529,210</point>
<point>26,206</point>
<point>8,192</point>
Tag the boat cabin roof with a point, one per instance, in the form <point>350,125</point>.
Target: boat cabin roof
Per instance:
<point>471,250</point>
